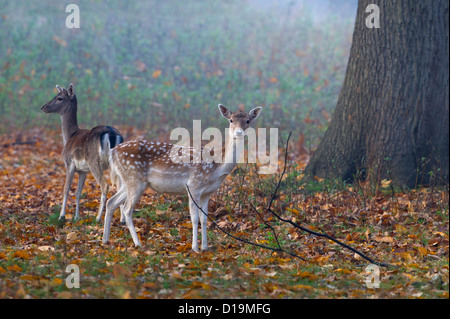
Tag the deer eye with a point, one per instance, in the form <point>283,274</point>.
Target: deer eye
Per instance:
<point>231,121</point>
<point>248,121</point>
<point>59,99</point>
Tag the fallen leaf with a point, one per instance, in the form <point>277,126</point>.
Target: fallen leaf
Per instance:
<point>64,295</point>
<point>422,251</point>
<point>156,74</point>
<point>440,234</point>
<point>400,229</point>
<point>405,256</point>
<point>21,254</point>
<point>192,294</point>
<point>119,271</point>
<point>14,268</point>
<point>60,41</point>
<point>71,237</point>
<point>270,274</point>
<point>319,179</point>
<point>385,183</point>
<point>293,210</point>
<point>302,287</point>
<point>385,239</point>
<point>176,275</point>
<point>57,281</point>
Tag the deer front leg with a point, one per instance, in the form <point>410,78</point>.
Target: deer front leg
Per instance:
<point>70,171</point>
<point>193,210</point>
<point>204,222</point>
<point>81,180</point>
<point>104,189</point>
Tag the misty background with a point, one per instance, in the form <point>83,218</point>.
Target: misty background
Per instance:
<point>157,65</point>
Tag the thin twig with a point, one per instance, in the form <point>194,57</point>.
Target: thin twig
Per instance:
<point>268,225</point>
<point>19,143</point>
<point>282,174</point>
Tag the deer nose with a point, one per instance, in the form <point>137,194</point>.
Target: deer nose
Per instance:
<point>239,132</point>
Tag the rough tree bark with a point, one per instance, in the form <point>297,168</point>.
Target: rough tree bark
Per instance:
<point>392,116</point>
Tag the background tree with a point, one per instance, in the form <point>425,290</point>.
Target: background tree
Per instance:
<point>392,116</point>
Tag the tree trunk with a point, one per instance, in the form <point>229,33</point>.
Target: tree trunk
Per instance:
<point>392,117</point>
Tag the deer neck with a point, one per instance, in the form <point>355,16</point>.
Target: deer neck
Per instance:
<point>232,154</point>
<point>69,122</point>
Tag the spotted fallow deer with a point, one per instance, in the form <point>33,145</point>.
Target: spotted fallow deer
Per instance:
<point>84,150</point>
<point>140,163</point>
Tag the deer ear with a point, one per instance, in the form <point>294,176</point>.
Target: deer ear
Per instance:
<point>254,113</point>
<point>71,90</point>
<point>226,113</point>
<point>60,89</point>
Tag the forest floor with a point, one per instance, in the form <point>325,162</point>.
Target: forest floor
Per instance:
<point>407,229</point>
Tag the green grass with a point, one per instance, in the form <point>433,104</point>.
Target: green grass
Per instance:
<point>207,53</point>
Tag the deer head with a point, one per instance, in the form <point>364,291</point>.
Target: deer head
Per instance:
<point>239,121</point>
<point>62,102</point>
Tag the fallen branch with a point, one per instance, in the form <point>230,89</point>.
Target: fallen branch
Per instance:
<point>19,143</point>
<point>269,209</point>
<point>279,249</point>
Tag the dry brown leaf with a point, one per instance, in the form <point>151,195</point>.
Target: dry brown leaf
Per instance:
<point>385,239</point>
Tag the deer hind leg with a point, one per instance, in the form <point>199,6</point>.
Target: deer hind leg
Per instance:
<point>122,213</point>
<point>98,175</point>
<point>116,180</point>
<point>113,203</point>
<point>81,180</point>
<point>70,172</point>
<point>133,195</point>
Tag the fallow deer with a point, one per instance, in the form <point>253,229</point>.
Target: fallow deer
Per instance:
<point>141,163</point>
<point>84,150</point>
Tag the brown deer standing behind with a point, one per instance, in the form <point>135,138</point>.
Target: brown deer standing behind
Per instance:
<point>84,150</point>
